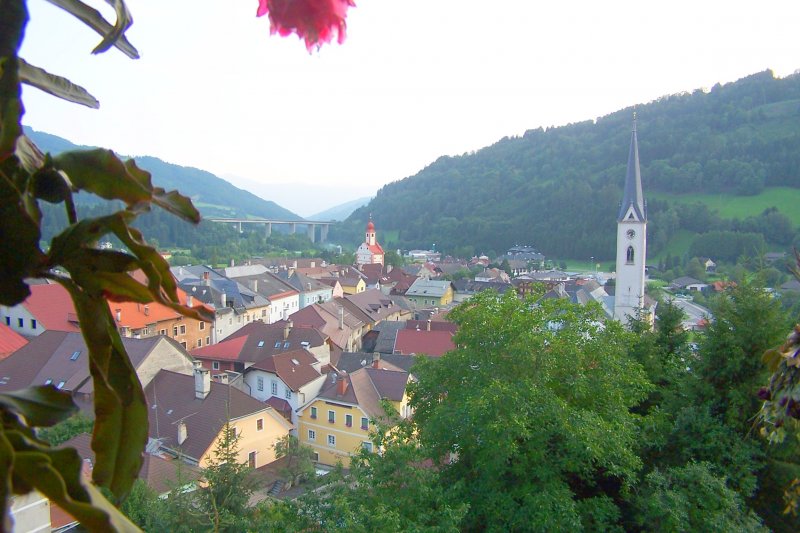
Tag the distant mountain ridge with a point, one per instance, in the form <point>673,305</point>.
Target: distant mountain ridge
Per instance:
<point>212,195</point>
<point>341,211</point>
<point>559,189</point>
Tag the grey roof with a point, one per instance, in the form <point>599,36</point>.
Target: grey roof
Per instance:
<point>351,361</point>
<point>632,194</point>
<point>387,333</point>
<point>685,281</point>
<point>428,287</point>
<point>237,295</point>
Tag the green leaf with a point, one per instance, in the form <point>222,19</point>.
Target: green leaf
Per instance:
<point>41,406</point>
<point>50,186</point>
<point>120,429</point>
<point>102,173</point>
<point>30,157</point>
<point>56,85</point>
<point>13,18</point>
<point>6,462</point>
<point>20,233</point>
<point>92,18</point>
<point>57,473</point>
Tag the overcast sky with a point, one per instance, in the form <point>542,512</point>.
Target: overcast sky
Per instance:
<point>415,79</point>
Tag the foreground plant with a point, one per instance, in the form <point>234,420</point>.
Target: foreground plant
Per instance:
<point>92,276</point>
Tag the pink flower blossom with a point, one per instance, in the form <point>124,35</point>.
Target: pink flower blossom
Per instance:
<point>315,21</point>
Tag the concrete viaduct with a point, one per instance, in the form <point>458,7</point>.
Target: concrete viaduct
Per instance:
<point>311,225</point>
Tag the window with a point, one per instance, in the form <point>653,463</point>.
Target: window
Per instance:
<point>312,435</point>
<point>8,321</point>
<point>263,313</point>
<point>274,388</point>
<point>332,417</point>
<point>183,344</point>
<point>183,329</point>
<point>629,259</point>
<point>21,322</point>
<point>367,446</point>
<point>348,420</point>
<point>251,459</point>
<point>315,456</point>
<point>288,393</point>
<point>175,331</point>
<point>162,332</point>
<point>60,384</point>
<point>278,344</point>
<point>260,344</point>
<point>313,412</point>
<point>260,382</point>
<point>208,341</point>
<point>75,355</point>
<point>260,424</point>
<point>48,381</point>
<point>285,345</point>
<point>199,342</point>
<point>332,440</point>
<point>215,365</point>
<point>202,326</point>
<point>364,422</point>
<point>33,323</point>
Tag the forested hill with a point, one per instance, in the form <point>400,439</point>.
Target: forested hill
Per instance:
<point>559,189</point>
<point>212,195</point>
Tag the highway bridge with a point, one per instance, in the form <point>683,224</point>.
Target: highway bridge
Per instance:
<point>310,225</point>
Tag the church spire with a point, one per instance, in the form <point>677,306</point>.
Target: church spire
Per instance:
<point>632,195</point>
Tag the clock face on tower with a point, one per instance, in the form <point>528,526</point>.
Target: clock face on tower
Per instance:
<point>630,234</point>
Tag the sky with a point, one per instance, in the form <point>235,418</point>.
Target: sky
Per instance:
<point>414,80</point>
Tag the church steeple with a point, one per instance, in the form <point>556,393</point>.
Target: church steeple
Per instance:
<point>633,205</point>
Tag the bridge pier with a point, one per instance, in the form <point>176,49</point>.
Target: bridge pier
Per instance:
<point>240,227</point>
<point>312,232</point>
<point>292,228</point>
<point>268,228</point>
<point>323,233</point>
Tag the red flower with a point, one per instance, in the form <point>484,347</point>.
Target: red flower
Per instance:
<point>315,21</point>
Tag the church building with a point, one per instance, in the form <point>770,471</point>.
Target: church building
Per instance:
<point>369,252</point>
<point>629,297</point>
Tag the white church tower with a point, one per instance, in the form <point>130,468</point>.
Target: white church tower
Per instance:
<point>631,240</point>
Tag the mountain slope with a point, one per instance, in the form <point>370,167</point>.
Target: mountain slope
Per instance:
<point>212,195</point>
<point>559,189</point>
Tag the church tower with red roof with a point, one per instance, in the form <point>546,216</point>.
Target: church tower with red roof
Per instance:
<point>370,252</point>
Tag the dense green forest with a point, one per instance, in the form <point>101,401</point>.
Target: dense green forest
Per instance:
<point>559,188</point>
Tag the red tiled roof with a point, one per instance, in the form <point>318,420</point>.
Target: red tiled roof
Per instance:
<point>52,307</point>
<point>434,343</point>
<point>135,315</point>
<point>375,249</point>
<point>10,341</point>
<point>229,349</point>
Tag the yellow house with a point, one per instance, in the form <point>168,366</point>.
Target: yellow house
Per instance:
<point>430,292</point>
<point>353,285</point>
<point>337,424</point>
<point>188,415</point>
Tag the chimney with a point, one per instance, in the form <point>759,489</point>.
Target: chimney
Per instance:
<point>376,360</point>
<point>341,384</point>
<point>206,278</point>
<point>222,297</point>
<point>341,317</point>
<point>254,285</point>
<point>147,309</point>
<point>181,432</point>
<point>202,381</point>
<point>294,264</point>
<point>119,315</point>
<point>428,325</point>
<point>189,302</point>
<point>287,328</point>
